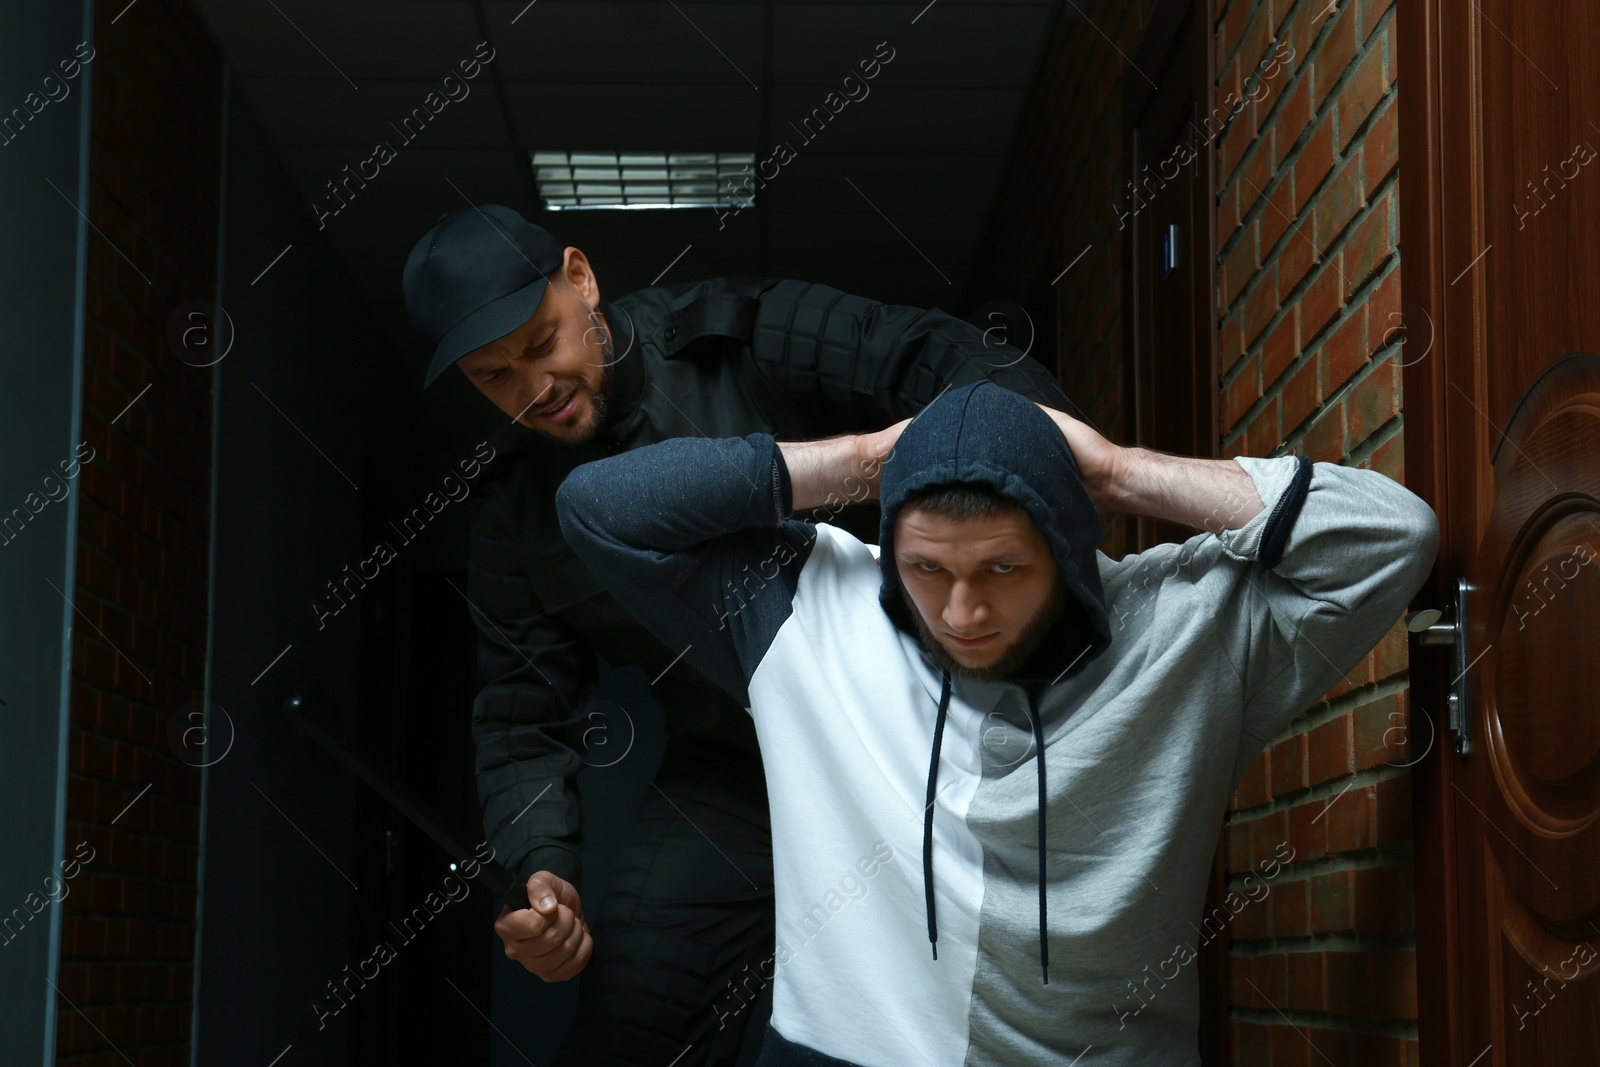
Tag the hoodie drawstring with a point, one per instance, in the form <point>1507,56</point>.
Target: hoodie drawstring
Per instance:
<point>1038,748</point>
<point>927,822</point>
<point>927,814</point>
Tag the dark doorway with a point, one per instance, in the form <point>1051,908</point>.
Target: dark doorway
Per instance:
<point>1168,215</point>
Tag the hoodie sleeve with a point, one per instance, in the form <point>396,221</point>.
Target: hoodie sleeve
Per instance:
<point>693,537</point>
<point>1338,553</point>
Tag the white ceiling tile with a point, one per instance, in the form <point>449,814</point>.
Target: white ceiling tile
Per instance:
<point>328,113</point>
<point>421,178</point>
<point>952,121</point>
<point>680,118</point>
<point>629,43</point>
<point>919,184</point>
<point>994,45</point>
<point>927,145</point>
<point>356,39</point>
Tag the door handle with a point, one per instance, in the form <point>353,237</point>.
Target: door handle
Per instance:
<point>1431,626</point>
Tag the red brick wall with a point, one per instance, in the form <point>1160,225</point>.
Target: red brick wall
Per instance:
<point>138,642</point>
<point>1323,969</point>
<point>1307,225</point>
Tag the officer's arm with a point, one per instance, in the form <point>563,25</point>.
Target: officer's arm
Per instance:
<point>878,363</point>
<point>536,680</point>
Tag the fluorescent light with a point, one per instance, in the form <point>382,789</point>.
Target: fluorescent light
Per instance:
<point>575,180</point>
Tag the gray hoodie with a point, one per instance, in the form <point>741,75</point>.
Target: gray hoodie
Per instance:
<point>1061,883</point>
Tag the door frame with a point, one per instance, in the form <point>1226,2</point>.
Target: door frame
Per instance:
<point>1423,288</point>
<point>1153,53</point>
<point>1163,32</point>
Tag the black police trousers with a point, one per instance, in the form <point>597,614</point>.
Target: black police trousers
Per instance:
<point>684,942</point>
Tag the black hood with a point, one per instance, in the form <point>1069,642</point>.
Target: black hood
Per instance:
<point>986,434</point>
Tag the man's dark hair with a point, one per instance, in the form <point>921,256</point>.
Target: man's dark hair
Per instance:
<point>960,501</point>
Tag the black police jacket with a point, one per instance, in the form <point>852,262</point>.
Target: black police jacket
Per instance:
<point>723,357</point>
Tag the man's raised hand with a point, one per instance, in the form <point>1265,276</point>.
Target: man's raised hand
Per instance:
<point>1205,494</point>
<point>1100,463</point>
<point>550,938</point>
<point>873,451</point>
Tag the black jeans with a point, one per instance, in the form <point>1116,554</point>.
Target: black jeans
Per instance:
<point>684,942</point>
<point>778,1051</point>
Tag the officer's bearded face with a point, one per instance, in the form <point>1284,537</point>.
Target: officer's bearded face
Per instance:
<point>552,374</point>
<point>983,591</point>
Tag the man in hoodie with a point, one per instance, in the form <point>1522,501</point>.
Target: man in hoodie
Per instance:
<point>1081,721</point>
<point>519,314</point>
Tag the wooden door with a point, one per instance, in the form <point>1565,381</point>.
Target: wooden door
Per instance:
<point>1501,235</point>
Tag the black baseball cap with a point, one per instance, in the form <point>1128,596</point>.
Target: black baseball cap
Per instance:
<point>475,277</point>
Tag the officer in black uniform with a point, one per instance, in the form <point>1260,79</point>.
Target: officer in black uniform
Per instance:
<point>684,941</point>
